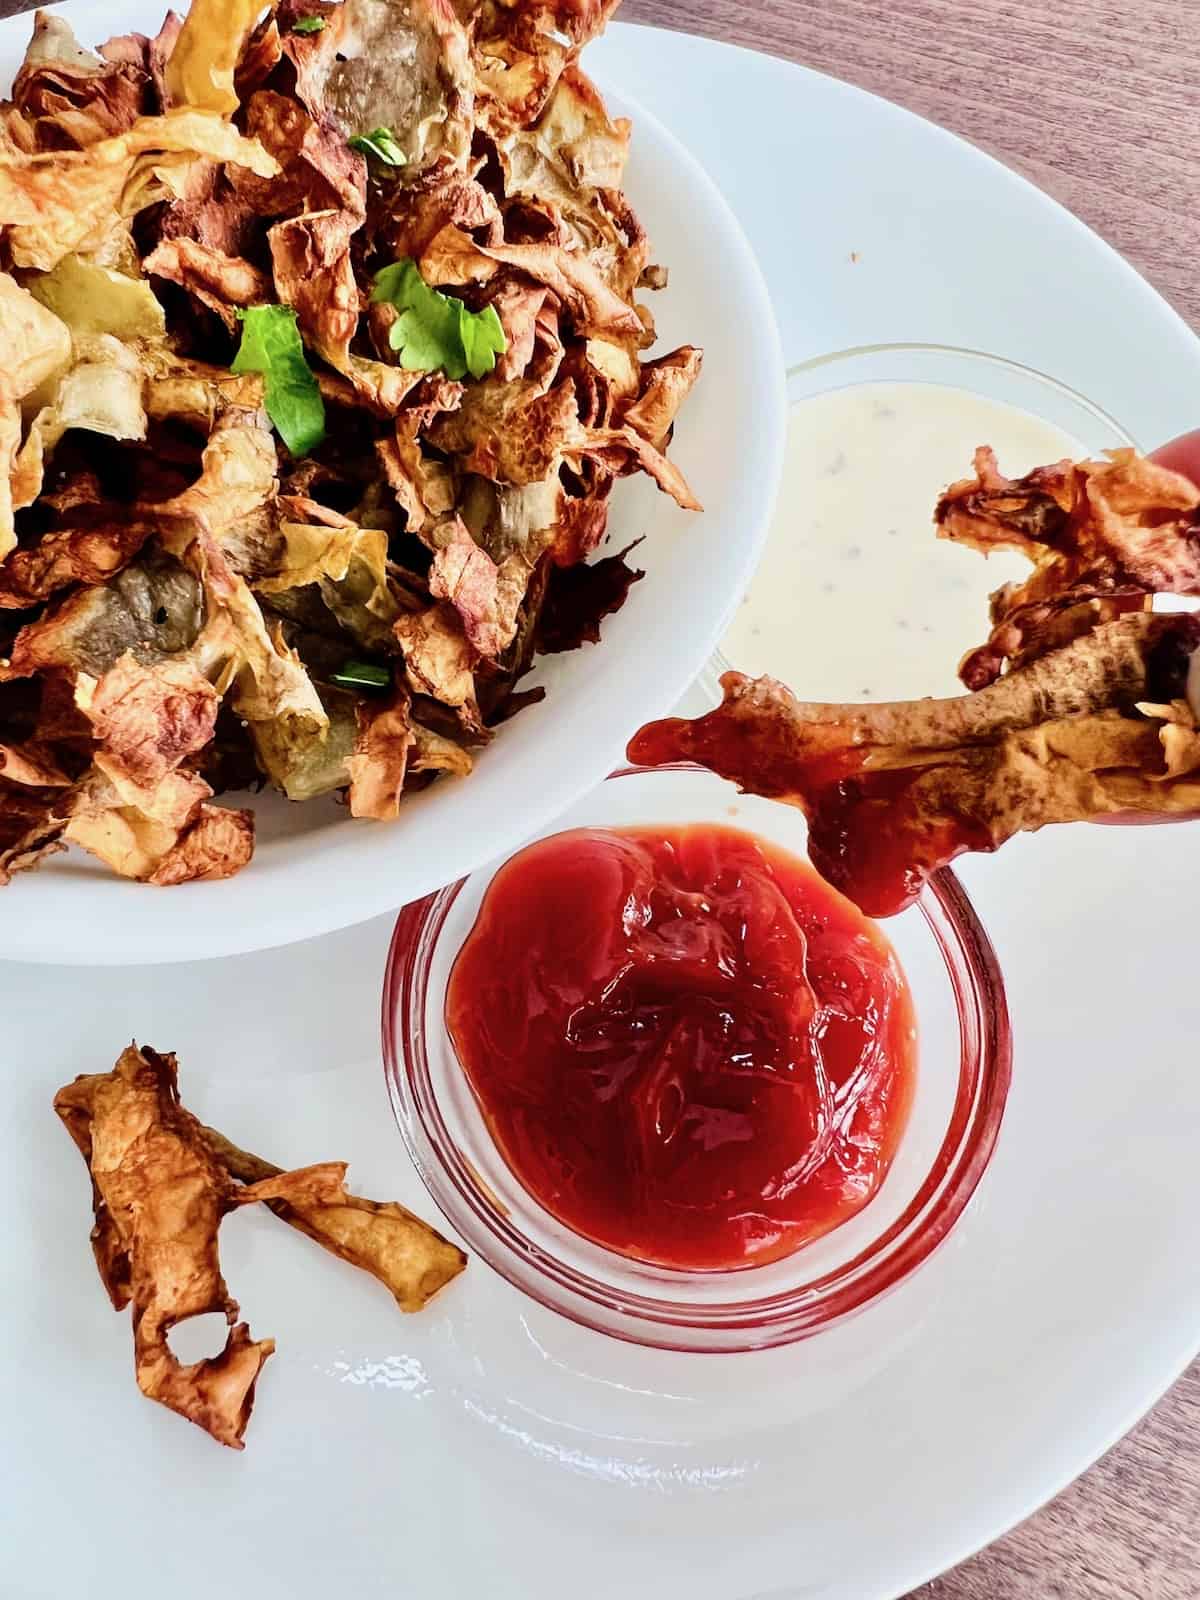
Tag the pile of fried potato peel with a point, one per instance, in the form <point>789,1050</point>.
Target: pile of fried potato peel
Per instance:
<point>1083,702</point>
<point>320,353</point>
<point>161,1185</point>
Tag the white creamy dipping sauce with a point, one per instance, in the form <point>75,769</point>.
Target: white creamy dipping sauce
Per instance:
<point>856,598</point>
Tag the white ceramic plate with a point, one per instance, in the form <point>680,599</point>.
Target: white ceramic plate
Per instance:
<point>314,868</point>
<point>490,1449</point>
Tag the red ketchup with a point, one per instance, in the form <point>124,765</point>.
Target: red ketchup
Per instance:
<point>687,1047</point>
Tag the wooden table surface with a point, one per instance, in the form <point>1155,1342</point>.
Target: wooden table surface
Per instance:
<point>1099,103</point>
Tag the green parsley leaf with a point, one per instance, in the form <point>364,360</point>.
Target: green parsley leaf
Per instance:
<point>271,345</point>
<point>436,330</point>
<point>308,25</point>
<point>380,143</point>
<point>427,331</point>
<point>482,338</point>
<point>361,675</point>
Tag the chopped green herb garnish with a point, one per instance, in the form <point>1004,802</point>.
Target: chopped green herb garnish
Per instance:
<point>436,330</point>
<point>308,25</point>
<point>271,345</point>
<point>380,143</point>
<point>482,338</point>
<point>361,675</point>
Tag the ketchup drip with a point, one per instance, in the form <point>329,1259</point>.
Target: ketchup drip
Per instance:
<point>867,835</point>
<point>687,1046</point>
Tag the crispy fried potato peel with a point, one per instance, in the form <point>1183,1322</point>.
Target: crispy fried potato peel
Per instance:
<point>1103,537</point>
<point>161,1185</point>
<point>383,1238</point>
<point>893,792</point>
<point>1084,703</point>
<point>156,197</point>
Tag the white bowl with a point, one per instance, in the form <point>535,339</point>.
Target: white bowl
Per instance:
<point>315,868</point>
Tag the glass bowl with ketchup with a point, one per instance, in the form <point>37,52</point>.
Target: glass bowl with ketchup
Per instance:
<point>670,1084</point>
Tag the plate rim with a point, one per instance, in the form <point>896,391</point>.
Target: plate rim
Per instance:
<point>953,1552</point>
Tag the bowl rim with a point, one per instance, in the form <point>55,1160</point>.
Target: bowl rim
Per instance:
<point>916,349</point>
<point>719,1326</point>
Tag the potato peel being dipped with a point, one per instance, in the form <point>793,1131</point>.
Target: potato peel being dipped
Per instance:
<point>161,1185</point>
<point>1083,702</point>
<point>1103,536</point>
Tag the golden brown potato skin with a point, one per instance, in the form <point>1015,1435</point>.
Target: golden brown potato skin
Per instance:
<point>893,792</point>
<point>161,1185</point>
<point>462,312</point>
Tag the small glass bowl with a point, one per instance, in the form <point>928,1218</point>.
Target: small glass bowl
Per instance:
<point>965,1052</point>
<point>992,377</point>
<point>1084,429</point>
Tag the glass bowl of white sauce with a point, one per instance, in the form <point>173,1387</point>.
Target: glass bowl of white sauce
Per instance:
<point>855,597</point>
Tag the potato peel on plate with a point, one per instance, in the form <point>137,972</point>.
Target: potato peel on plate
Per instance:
<point>159,1195</point>
<point>161,1185</point>
<point>380,1236</point>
